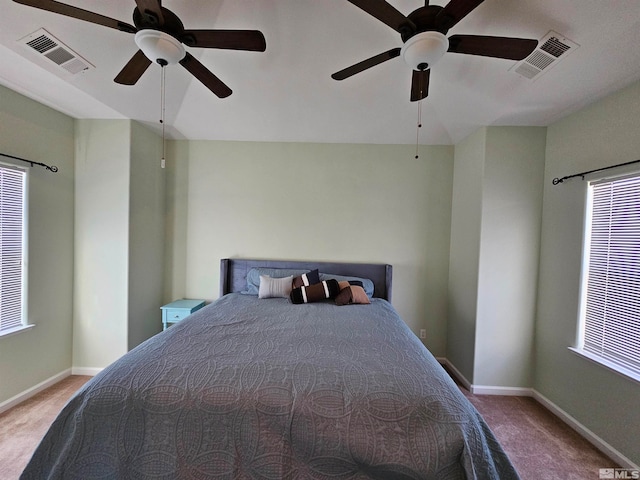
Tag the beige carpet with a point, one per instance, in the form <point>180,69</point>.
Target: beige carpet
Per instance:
<point>540,446</point>
<point>23,426</point>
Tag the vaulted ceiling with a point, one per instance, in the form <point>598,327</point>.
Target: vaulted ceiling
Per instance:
<point>287,94</point>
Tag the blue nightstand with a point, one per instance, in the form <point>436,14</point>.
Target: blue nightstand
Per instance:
<point>175,311</point>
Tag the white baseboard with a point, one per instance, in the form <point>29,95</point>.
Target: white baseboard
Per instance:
<point>591,437</point>
<point>21,397</point>
<point>505,391</point>
<point>484,389</point>
<point>91,372</point>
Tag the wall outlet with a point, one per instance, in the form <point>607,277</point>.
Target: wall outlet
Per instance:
<point>423,333</point>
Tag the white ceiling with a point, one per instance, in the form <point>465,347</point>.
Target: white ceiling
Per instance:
<point>287,93</point>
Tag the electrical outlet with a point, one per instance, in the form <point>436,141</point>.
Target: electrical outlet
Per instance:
<point>423,333</point>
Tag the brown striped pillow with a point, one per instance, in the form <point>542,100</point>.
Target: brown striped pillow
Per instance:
<point>315,293</point>
<point>306,279</point>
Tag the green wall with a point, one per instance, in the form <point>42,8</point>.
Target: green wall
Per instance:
<point>119,236</point>
<point>495,231</point>
<point>606,133</point>
<point>509,255</point>
<point>33,131</point>
<point>464,260</point>
<point>146,235</point>
<point>101,239</point>
<point>359,203</point>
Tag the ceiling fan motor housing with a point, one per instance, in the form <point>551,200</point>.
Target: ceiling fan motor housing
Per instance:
<point>424,49</point>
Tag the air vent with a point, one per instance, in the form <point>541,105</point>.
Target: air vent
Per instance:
<point>50,47</point>
<point>552,48</point>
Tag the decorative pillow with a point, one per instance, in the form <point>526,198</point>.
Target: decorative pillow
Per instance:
<point>367,284</point>
<point>351,295</point>
<point>306,279</point>
<point>274,287</point>
<point>345,283</point>
<point>315,293</point>
<point>253,276</point>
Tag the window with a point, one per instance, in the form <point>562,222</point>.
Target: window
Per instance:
<point>12,208</point>
<point>610,310</point>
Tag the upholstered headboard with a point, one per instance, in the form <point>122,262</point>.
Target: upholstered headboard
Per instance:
<point>233,272</point>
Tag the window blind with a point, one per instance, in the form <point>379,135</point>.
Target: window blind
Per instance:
<point>612,308</point>
<point>12,183</point>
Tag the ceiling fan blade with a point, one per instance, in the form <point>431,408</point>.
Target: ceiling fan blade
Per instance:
<point>151,11</point>
<point>203,74</point>
<point>498,47</point>
<point>420,84</point>
<point>252,40</point>
<point>79,13</point>
<point>386,14</point>
<point>133,70</point>
<point>455,11</point>
<point>365,64</point>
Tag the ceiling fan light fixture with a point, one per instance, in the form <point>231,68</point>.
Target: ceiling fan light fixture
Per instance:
<point>160,47</point>
<point>424,49</point>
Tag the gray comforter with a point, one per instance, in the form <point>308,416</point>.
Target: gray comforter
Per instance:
<point>263,389</point>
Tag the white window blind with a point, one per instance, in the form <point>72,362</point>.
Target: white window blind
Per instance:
<point>611,301</point>
<point>12,188</point>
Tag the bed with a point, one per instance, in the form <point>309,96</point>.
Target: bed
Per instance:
<point>262,388</point>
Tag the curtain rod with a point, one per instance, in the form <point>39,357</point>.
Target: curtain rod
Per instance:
<point>51,168</point>
<point>557,180</point>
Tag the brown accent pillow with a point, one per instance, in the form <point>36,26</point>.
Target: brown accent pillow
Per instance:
<point>353,294</point>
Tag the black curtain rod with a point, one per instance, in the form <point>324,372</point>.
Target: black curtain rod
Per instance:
<point>51,168</point>
<point>557,180</point>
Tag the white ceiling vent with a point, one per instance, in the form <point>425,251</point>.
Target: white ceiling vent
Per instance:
<point>50,47</point>
<point>552,48</point>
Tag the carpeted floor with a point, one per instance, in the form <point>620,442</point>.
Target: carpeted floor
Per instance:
<point>539,444</point>
<point>23,426</point>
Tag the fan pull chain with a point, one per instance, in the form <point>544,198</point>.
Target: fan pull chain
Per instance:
<point>162,111</point>
<point>419,126</point>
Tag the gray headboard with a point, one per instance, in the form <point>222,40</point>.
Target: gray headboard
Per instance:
<point>233,272</point>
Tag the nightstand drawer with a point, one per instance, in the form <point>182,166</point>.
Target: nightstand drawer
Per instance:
<point>180,309</point>
<point>176,314</point>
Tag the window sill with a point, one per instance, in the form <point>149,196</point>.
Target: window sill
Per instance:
<point>624,372</point>
<point>14,331</point>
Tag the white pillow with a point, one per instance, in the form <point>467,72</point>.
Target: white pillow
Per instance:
<point>275,287</point>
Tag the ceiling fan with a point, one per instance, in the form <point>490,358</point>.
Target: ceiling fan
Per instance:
<point>423,33</point>
<point>161,36</point>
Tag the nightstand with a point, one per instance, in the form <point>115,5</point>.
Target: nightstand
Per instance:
<point>175,311</point>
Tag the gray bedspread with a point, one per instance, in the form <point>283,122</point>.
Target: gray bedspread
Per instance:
<point>263,389</point>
